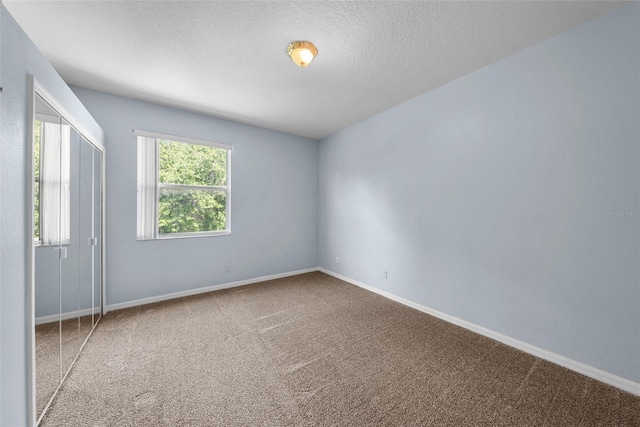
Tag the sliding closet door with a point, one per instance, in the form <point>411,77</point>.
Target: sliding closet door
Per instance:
<point>68,262</point>
<point>85,240</point>
<point>49,148</point>
<point>73,256</point>
<point>79,265</point>
<point>96,253</point>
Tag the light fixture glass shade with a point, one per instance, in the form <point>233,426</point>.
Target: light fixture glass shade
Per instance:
<point>302,52</point>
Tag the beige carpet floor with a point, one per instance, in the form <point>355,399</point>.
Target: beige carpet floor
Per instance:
<point>311,350</point>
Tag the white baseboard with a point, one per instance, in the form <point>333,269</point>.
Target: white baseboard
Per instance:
<point>65,316</point>
<point>589,371</point>
<point>150,300</point>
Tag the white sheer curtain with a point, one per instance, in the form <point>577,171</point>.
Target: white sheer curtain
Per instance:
<point>55,171</point>
<point>147,186</point>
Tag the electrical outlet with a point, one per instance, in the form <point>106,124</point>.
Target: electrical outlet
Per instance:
<point>227,268</point>
<point>337,260</point>
<point>385,275</point>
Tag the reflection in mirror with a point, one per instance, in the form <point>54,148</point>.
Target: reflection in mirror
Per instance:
<point>70,263</point>
<point>96,254</point>
<point>48,149</point>
<point>68,253</point>
<point>85,235</point>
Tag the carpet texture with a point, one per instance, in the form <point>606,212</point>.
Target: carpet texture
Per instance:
<point>47,363</point>
<point>311,350</point>
<point>57,344</point>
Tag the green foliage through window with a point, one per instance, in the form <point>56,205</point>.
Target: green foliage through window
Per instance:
<point>36,172</point>
<point>192,190</point>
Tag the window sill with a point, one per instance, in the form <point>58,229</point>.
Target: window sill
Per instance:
<point>39,244</point>
<point>185,236</point>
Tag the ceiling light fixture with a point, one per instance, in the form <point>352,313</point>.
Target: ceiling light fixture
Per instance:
<point>302,52</point>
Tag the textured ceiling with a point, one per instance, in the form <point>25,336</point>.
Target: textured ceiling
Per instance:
<point>227,59</point>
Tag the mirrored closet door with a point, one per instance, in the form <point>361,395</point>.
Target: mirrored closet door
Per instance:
<point>68,267</point>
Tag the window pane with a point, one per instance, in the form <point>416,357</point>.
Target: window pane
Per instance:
<point>36,212</point>
<point>191,211</point>
<point>192,164</point>
<point>54,176</point>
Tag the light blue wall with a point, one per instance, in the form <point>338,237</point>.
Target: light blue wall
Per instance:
<point>486,199</point>
<point>2,246</point>
<point>274,203</point>
<point>18,59</point>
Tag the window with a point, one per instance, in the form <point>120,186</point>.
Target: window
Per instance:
<point>183,187</point>
<point>52,158</point>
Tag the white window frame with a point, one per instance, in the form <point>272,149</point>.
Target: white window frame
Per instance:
<point>147,216</point>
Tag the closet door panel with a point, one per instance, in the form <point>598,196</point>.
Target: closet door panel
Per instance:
<point>47,183</point>
<point>85,242</point>
<point>97,234</point>
<point>71,339</point>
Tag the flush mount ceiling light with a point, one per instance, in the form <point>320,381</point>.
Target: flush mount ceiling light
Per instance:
<point>302,52</point>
